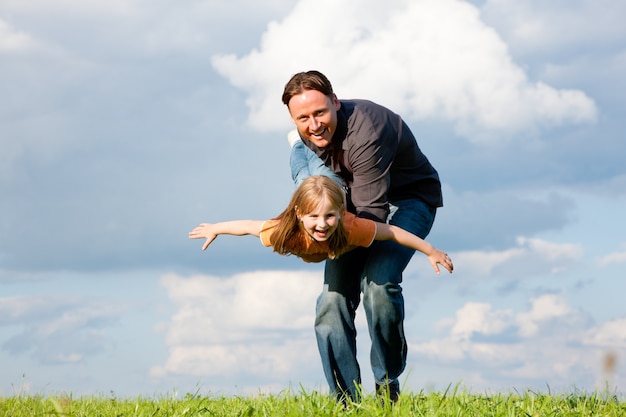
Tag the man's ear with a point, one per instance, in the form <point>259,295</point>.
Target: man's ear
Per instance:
<point>336,102</point>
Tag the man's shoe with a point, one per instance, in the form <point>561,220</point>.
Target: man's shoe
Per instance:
<point>390,389</point>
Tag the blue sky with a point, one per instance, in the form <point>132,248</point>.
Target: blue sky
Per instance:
<point>124,124</point>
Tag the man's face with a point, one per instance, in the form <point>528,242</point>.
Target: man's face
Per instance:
<point>315,116</point>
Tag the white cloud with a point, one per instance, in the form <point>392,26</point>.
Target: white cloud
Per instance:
<point>547,343</point>
<point>280,358</point>
<point>424,59</point>
<point>54,313</point>
<point>530,257</point>
<point>255,323</point>
<point>551,343</point>
<point>143,28</point>
<point>116,7</point>
<point>543,309</point>
<point>610,334</point>
<point>478,318</point>
<point>56,328</point>
<point>551,26</point>
<point>12,40</point>
<point>612,258</point>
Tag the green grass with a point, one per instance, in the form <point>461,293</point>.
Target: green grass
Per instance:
<point>287,404</point>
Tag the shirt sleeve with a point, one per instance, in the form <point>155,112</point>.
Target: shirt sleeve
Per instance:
<point>360,231</point>
<point>370,183</point>
<point>370,146</point>
<point>266,232</point>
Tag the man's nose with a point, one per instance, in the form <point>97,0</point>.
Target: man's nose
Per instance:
<point>315,124</point>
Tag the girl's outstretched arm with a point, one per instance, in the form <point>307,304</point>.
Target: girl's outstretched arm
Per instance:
<point>210,231</point>
<point>386,231</point>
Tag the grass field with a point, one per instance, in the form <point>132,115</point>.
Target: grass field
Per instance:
<point>448,403</point>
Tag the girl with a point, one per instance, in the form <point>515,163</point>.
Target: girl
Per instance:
<point>316,226</point>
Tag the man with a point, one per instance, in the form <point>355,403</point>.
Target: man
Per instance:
<point>388,179</point>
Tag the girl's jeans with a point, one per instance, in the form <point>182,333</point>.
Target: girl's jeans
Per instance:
<point>376,272</point>
<point>304,163</point>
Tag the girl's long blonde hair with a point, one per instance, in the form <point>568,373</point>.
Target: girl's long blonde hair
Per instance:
<point>289,236</point>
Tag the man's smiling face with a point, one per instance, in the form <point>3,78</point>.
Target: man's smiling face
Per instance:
<point>315,116</point>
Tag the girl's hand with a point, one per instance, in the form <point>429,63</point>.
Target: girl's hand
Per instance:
<point>439,257</point>
<point>205,230</point>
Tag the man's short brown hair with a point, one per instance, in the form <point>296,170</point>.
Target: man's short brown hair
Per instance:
<point>310,80</point>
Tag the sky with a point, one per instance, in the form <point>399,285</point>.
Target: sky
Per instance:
<point>125,123</point>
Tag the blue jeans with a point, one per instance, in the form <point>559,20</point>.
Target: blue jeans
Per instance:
<point>304,163</point>
<point>377,273</point>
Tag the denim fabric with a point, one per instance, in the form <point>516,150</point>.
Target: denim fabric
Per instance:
<point>304,163</point>
<point>376,272</point>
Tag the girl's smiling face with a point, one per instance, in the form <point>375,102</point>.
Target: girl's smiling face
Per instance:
<point>322,222</point>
